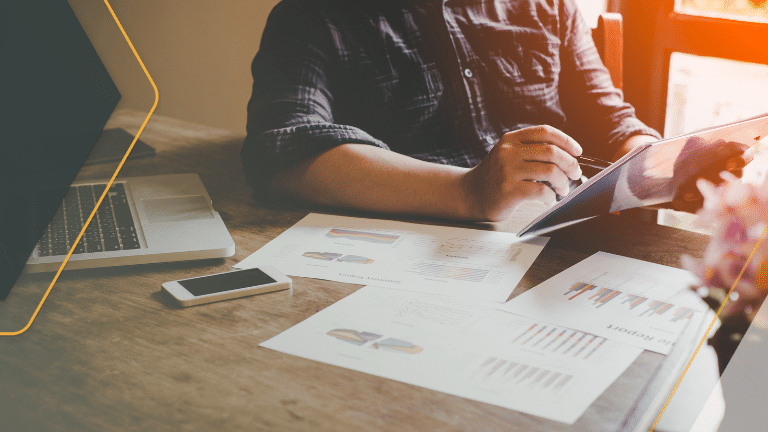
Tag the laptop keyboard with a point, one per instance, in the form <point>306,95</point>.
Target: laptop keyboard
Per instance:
<point>111,229</point>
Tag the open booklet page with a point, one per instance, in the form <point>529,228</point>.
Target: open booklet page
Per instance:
<point>462,347</point>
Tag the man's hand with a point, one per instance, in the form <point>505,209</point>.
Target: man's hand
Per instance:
<point>528,164</point>
<point>725,156</point>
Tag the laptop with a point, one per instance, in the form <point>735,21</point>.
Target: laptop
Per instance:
<point>141,220</point>
<point>56,97</point>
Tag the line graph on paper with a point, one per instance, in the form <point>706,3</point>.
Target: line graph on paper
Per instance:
<point>472,247</point>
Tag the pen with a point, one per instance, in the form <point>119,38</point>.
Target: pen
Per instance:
<point>586,161</point>
<point>593,162</point>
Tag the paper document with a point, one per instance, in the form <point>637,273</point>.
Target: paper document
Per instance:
<point>624,299</point>
<point>484,265</point>
<point>462,347</point>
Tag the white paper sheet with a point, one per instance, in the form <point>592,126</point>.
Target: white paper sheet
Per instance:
<point>624,299</point>
<point>462,347</point>
<point>483,265</point>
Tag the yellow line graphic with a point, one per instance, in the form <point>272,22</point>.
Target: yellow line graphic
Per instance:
<point>704,338</point>
<point>109,185</point>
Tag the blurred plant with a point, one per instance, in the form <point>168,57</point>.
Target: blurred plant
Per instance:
<point>737,253</point>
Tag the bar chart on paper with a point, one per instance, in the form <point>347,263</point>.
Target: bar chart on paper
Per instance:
<point>641,306</point>
<point>624,299</point>
<point>555,340</point>
<point>524,377</point>
<point>546,364</point>
<point>463,347</point>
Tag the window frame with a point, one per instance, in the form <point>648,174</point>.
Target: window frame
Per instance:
<point>653,31</point>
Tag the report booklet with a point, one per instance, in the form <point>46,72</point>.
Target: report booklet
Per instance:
<point>652,173</point>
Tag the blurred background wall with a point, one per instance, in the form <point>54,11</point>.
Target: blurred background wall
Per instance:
<point>197,51</point>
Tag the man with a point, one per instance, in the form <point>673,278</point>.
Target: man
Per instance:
<point>459,109</point>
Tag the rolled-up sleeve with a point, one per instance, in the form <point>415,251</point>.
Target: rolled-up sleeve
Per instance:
<point>290,113</point>
<point>595,111</point>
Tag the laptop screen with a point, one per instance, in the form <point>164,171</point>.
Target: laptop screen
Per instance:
<point>55,98</point>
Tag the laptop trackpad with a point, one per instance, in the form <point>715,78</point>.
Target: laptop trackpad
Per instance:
<point>176,209</point>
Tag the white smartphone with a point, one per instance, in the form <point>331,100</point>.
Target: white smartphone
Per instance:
<point>225,286</point>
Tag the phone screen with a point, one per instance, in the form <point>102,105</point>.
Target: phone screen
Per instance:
<point>226,282</point>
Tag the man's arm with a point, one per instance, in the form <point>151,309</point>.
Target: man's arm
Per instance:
<point>595,111</point>
<point>295,146</point>
<point>374,179</point>
<point>378,180</point>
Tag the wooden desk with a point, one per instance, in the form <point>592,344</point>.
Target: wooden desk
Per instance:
<point>108,352</point>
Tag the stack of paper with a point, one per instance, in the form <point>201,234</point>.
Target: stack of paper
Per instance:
<point>436,319</point>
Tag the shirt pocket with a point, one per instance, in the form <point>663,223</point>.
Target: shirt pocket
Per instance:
<point>404,97</point>
<point>527,58</point>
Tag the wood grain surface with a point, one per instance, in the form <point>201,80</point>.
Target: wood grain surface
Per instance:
<point>108,352</point>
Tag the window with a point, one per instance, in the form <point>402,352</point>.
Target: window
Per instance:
<point>666,39</point>
<point>709,91</point>
<point>741,10</point>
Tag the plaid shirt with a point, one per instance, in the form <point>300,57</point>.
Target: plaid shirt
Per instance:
<point>436,80</point>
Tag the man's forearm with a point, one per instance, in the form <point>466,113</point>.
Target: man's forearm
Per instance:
<point>532,163</point>
<point>370,178</point>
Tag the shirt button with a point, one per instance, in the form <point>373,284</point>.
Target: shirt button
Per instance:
<point>489,139</point>
<point>467,73</point>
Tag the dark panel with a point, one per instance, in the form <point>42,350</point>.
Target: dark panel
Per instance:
<point>55,97</point>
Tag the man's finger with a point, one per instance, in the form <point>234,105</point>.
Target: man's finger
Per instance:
<point>538,192</point>
<point>549,173</point>
<point>545,134</point>
<point>549,153</point>
<point>734,164</point>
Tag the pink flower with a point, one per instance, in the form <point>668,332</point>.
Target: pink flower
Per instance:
<point>739,213</point>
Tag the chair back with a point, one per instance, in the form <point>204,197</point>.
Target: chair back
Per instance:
<point>609,39</point>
